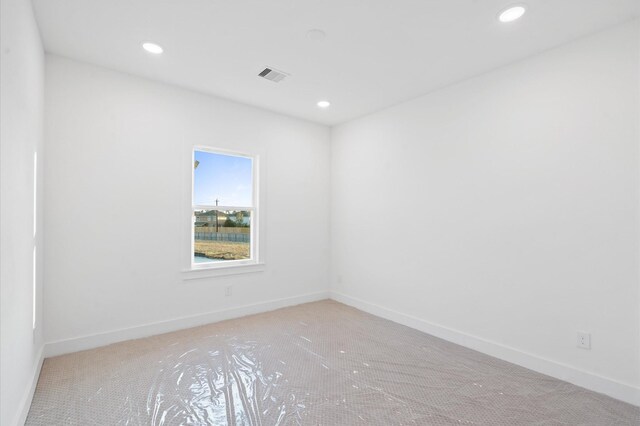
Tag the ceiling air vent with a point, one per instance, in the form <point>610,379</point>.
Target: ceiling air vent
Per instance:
<point>273,75</point>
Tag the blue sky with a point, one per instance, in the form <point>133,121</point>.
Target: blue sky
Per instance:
<point>225,177</point>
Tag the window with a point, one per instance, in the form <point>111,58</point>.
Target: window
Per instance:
<point>224,210</point>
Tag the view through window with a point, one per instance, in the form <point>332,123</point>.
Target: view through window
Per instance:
<point>223,208</point>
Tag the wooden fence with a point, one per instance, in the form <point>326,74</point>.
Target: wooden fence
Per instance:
<point>222,230</point>
<point>208,233</point>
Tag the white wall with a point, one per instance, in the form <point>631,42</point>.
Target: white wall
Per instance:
<point>502,212</point>
<point>21,95</point>
<point>118,203</point>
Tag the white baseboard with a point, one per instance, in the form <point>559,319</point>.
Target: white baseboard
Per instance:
<point>25,402</point>
<point>612,388</point>
<point>93,341</point>
<point>593,382</point>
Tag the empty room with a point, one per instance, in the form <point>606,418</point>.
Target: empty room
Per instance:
<point>320,212</point>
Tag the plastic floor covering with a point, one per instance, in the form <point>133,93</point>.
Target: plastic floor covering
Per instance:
<point>320,363</point>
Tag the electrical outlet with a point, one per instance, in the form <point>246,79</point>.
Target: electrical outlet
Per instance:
<point>339,279</point>
<point>584,340</point>
<point>227,291</point>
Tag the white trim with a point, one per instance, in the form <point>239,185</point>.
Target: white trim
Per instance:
<point>221,264</point>
<point>27,398</point>
<point>223,151</point>
<point>230,267</point>
<point>593,382</point>
<point>96,340</point>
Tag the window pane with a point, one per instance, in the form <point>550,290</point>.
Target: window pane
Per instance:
<point>223,180</point>
<point>221,235</point>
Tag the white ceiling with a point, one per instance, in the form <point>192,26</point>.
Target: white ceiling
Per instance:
<point>377,52</point>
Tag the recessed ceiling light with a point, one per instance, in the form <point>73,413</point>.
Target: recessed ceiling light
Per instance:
<point>152,48</point>
<point>324,104</point>
<point>512,13</point>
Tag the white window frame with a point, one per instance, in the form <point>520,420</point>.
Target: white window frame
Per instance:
<point>254,258</point>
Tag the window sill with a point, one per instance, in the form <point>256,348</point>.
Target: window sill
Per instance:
<point>220,271</point>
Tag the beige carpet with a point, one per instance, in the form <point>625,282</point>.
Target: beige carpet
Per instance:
<point>316,364</point>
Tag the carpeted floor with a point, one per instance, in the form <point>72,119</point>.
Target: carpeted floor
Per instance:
<point>315,364</point>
